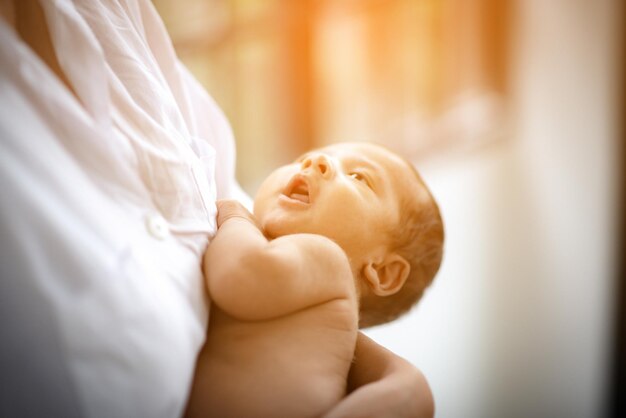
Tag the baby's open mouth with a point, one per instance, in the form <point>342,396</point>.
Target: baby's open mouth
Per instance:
<point>298,189</point>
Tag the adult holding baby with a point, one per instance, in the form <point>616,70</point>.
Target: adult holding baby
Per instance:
<point>111,159</point>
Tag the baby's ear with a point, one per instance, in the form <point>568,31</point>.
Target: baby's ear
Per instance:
<point>387,277</point>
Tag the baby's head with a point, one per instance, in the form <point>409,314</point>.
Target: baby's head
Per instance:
<point>375,206</point>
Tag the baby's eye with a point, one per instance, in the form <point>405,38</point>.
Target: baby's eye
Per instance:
<point>358,177</point>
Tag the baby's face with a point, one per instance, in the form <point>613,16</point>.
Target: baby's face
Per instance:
<point>348,192</point>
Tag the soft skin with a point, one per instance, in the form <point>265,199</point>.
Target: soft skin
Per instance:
<point>352,198</point>
<point>285,287</point>
<point>282,327</point>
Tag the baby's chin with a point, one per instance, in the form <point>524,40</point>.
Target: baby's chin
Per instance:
<point>278,227</point>
<point>274,230</point>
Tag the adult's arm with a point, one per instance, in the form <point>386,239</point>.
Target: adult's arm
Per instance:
<point>383,385</point>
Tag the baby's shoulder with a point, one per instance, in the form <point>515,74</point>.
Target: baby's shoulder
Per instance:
<point>326,257</point>
<point>321,245</point>
<point>323,251</point>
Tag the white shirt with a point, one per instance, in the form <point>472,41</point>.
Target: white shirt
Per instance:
<point>107,202</point>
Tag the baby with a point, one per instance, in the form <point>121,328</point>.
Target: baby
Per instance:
<point>347,236</point>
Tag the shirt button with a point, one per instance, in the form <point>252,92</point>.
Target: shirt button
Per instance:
<point>157,226</point>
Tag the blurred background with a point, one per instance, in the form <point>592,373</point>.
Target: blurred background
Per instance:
<point>512,111</point>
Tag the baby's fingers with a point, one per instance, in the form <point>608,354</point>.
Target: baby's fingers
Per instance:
<point>227,209</point>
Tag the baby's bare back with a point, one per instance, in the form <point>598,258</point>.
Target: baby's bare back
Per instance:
<point>292,366</point>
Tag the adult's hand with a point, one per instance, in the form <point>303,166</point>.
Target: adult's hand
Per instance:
<point>383,385</point>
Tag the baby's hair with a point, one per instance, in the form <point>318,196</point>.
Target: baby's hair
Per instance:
<point>418,238</point>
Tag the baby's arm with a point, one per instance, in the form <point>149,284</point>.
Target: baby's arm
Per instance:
<point>251,278</point>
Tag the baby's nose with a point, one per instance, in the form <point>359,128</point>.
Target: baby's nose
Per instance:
<point>320,163</point>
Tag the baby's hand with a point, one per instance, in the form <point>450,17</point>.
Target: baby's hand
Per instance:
<point>227,209</point>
